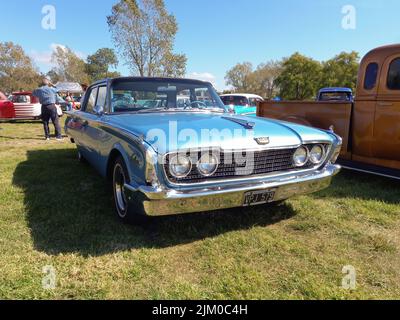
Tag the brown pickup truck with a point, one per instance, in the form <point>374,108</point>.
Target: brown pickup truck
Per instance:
<point>370,127</point>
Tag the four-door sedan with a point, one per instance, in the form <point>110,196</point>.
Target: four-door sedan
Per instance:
<point>182,151</point>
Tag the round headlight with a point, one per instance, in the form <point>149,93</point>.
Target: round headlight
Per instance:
<point>180,166</point>
<point>207,165</point>
<point>317,154</point>
<point>300,157</point>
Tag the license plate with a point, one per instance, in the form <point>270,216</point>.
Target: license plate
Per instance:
<point>253,198</point>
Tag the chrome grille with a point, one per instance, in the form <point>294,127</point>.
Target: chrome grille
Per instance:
<point>262,162</point>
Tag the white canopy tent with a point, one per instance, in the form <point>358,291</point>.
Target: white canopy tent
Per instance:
<point>72,87</point>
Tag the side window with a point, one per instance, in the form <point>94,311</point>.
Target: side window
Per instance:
<point>101,97</point>
<point>91,100</point>
<point>371,75</point>
<point>393,81</point>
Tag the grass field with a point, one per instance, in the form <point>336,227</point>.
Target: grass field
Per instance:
<point>56,211</point>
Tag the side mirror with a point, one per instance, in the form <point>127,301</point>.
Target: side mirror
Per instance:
<point>98,110</point>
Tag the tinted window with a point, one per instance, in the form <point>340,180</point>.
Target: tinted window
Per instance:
<point>101,97</point>
<point>91,100</point>
<point>393,81</point>
<point>371,75</point>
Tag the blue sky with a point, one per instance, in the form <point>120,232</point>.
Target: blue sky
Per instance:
<point>214,34</point>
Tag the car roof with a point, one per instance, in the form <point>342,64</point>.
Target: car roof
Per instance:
<point>22,93</point>
<point>247,95</point>
<point>149,79</point>
<point>336,89</point>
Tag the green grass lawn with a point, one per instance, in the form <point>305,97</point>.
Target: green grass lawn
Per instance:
<point>56,211</point>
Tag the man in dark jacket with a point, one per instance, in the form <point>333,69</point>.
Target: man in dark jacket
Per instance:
<point>48,97</point>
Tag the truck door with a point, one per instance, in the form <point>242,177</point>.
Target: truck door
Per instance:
<point>387,112</point>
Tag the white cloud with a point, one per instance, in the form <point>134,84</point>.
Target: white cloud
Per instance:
<point>205,76</point>
<point>43,58</point>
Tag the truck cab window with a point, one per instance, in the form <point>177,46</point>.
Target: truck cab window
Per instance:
<point>371,75</point>
<point>393,82</point>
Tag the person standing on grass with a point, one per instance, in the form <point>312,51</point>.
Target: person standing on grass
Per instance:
<point>48,97</point>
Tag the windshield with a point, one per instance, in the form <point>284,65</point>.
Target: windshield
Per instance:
<point>163,95</point>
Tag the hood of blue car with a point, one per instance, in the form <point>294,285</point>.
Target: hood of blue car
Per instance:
<point>172,131</point>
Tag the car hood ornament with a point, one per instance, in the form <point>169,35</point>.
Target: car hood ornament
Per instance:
<point>262,140</point>
<point>247,124</point>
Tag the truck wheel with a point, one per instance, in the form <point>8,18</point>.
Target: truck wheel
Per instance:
<point>126,210</point>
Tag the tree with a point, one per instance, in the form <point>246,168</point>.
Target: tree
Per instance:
<point>263,80</point>
<point>69,67</point>
<point>341,71</point>
<point>238,76</point>
<point>144,33</point>
<point>99,64</point>
<point>17,69</point>
<point>53,76</point>
<point>300,77</point>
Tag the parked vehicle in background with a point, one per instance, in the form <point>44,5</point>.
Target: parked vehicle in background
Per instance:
<point>241,103</point>
<point>6,108</point>
<point>25,106</point>
<point>370,127</point>
<point>335,94</point>
<point>164,159</point>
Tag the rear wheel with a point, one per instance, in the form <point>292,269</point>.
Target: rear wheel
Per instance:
<point>126,209</point>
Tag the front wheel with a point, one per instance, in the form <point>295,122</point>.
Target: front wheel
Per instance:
<point>125,208</point>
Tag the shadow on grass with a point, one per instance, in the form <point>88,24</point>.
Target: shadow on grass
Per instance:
<point>19,138</point>
<point>356,185</point>
<point>69,208</point>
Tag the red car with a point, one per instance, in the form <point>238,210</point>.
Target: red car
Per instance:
<point>6,108</point>
<point>23,106</point>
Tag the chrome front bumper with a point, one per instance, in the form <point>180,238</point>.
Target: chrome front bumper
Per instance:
<point>163,202</point>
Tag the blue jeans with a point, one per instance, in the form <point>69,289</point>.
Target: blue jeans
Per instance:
<point>50,112</point>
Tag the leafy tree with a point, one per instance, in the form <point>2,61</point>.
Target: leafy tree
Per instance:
<point>341,71</point>
<point>69,67</point>
<point>263,80</point>
<point>53,76</point>
<point>99,63</point>
<point>144,33</point>
<point>17,69</point>
<point>300,77</point>
<point>239,76</point>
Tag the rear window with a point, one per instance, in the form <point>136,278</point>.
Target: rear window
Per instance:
<point>393,81</point>
<point>21,99</point>
<point>371,75</point>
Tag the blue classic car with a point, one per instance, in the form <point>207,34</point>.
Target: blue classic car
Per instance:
<point>335,94</point>
<point>170,146</point>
